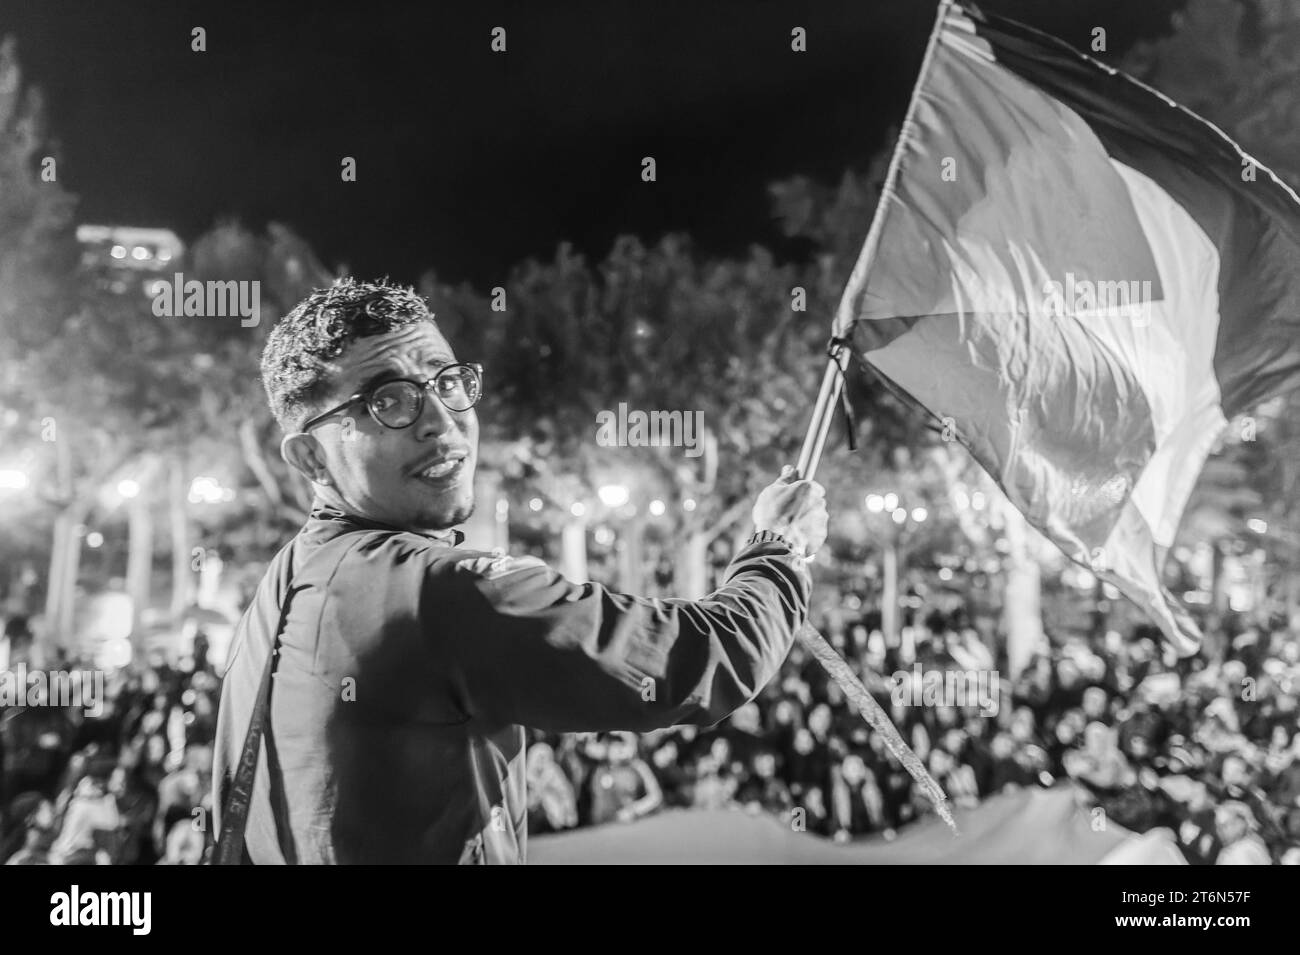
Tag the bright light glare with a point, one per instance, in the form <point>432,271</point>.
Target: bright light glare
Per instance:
<point>613,495</point>
<point>12,479</point>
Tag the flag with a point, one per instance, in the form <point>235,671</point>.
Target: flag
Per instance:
<point>1083,282</point>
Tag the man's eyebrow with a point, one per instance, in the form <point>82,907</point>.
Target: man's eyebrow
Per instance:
<point>390,374</point>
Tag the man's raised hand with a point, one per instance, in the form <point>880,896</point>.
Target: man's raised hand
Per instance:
<point>795,509</point>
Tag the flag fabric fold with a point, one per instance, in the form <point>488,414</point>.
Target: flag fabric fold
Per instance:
<point>1082,279</point>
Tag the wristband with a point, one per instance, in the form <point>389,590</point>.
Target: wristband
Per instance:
<point>767,537</point>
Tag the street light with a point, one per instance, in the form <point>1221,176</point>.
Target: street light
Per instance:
<point>875,503</point>
<point>613,495</point>
<point>11,479</point>
<point>128,488</point>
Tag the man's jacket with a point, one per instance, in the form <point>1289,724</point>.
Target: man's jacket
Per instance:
<point>408,668</point>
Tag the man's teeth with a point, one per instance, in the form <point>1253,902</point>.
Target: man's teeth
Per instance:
<point>441,470</point>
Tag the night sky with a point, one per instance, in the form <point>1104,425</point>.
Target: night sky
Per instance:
<point>469,161</point>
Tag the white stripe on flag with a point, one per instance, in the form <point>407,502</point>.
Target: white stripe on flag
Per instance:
<point>1170,350</point>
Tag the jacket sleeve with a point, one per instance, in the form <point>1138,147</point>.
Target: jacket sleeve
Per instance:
<point>535,649</point>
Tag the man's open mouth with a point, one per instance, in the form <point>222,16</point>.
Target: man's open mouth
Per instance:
<point>442,469</point>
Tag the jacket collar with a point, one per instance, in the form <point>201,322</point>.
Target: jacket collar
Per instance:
<point>329,520</point>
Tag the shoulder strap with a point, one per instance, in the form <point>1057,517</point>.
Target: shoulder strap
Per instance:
<point>234,816</point>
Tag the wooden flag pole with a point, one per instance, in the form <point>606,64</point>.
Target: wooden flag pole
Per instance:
<point>834,665</point>
<point>823,413</point>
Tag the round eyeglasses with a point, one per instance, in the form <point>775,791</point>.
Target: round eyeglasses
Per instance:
<point>398,402</point>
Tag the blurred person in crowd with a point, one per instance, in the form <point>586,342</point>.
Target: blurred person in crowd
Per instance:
<point>896,790</point>
<point>185,844</point>
<point>1096,705</point>
<point>962,779</point>
<point>1023,728</point>
<point>820,720</point>
<point>743,731</point>
<point>39,738</point>
<point>88,831</point>
<point>1236,826</point>
<point>623,788</point>
<point>762,789</point>
<point>968,651</point>
<point>810,814</point>
<point>978,752</point>
<point>28,812</point>
<point>715,786</point>
<point>1282,765</point>
<point>807,764</point>
<point>552,805</point>
<point>183,790</point>
<point>1237,783</point>
<point>1066,735</point>
<point>857,805</point>
<point>137,807</point>
<point>921,741</point>
<point>668,763</point>
<point>35,849</point>
<point>1197,834</point>
<point>379,415</point>
<point>1034,686</point>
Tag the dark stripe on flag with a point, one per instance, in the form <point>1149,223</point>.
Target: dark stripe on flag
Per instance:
<point>1254,224</point>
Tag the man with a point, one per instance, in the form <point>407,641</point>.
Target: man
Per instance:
<point>407,665</point>
<point>1237,832</point>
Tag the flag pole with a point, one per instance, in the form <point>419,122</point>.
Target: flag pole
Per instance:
<point>834,665</point>
<point>814,443</point>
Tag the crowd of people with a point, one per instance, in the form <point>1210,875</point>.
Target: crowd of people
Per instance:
<point>127,782</point>
<point>1207,747</point>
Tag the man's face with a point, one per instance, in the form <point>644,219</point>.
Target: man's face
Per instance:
<point>1231,828</point>
<point>420,477</point>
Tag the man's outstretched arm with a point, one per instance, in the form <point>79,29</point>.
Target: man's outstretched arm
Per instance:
<point>536,649</point>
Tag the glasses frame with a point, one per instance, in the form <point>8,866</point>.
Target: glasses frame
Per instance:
<point>422,388</point>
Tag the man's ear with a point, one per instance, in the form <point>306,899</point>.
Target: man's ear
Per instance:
<point>303,453</point>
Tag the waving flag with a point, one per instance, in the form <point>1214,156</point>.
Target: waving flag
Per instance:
<point>1083,281</point>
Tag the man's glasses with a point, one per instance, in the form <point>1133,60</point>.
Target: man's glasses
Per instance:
<point>398,402</point>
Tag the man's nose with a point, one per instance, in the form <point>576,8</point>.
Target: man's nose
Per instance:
<point>435,420</point>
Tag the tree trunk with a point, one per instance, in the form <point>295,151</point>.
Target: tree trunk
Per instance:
<point>209,579</point>
<point>1022,597</point>
<point>631,572</point>
<point>54,583</point>
<point>692,579</point>
<point>182,576</point>
<point>889,595</point>
<point>573,551</point>
<point>139,564</point>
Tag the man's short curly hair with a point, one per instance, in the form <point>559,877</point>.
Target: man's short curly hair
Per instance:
<point>294,361</point>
